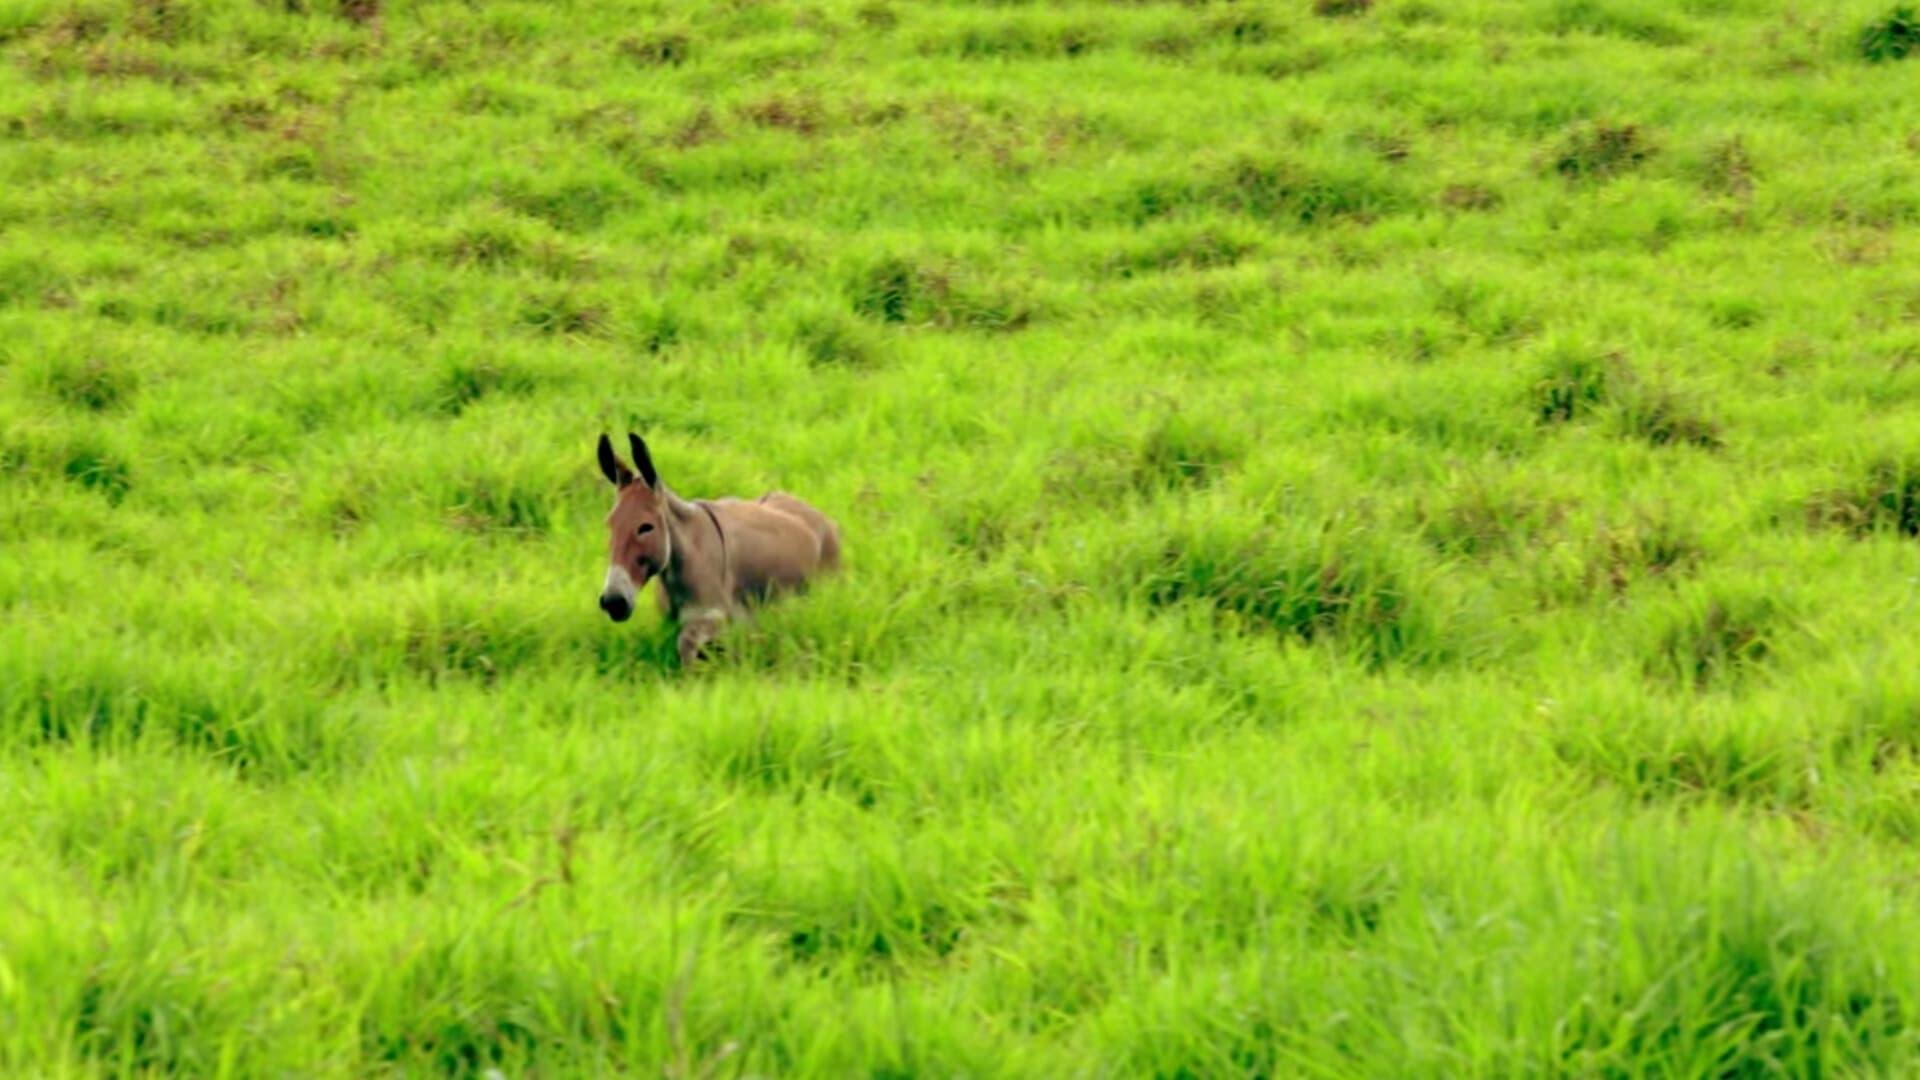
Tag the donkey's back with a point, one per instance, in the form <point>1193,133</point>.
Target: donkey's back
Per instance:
<point>823,527</point>
<point>779,543</point>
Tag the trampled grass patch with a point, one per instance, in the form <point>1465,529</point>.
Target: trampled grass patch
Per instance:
<point>1379,538</point>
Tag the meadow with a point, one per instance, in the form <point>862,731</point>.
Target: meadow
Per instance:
<point>1383,538</point>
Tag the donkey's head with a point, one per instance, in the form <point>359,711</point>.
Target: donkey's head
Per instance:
<point>638,546</point>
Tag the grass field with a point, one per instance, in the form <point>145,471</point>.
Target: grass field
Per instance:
<point>1382,539</point>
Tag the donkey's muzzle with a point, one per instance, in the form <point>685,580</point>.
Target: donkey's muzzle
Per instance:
<point>617,607</point>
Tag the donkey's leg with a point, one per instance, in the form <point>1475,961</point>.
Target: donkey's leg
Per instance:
<point>697,627</point>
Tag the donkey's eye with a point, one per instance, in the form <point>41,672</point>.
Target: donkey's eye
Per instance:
<point>644,529</point>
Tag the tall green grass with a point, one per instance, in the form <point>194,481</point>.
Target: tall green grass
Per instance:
<point>1381,538</point>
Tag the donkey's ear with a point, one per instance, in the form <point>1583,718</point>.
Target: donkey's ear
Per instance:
<point>611,467</point>
<point>643,460</point>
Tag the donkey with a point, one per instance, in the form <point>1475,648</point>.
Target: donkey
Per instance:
<point>714,558</point>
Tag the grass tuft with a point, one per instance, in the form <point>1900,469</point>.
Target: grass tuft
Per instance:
<point>1313,591</point>
<point>1481,523</point>
<point>1283,191</point>
<point>1721,641</point>
<point>1601,151</point>
<point>360,12</point>
<point>1894,36</point>
<point>1182,451</point>
<point>803,116</point>
<point>1886,500</point>
<point>1642,549</point>
<point>565,313</point>
<point>1664,417</point>
<point>901,291</point>
<point>830,338</point>
<point>1335,9</point>
<point>1617,18</point>
<point>98,470</point>
<point>1474,198</point>
<point>95,384</point>
<point>669,48</point>
<point>1729,169</point>
<point>1577,382</point>
<point>491,505</point>
<point>463,383</point>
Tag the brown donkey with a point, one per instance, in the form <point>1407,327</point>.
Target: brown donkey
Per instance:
<point>714,558</point>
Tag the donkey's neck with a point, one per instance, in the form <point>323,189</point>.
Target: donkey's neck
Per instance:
<point>687,552</point>
<point>683,515</point>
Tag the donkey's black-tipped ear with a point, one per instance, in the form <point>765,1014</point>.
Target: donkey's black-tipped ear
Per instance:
<point>611,467</point>
<point>643,460</point>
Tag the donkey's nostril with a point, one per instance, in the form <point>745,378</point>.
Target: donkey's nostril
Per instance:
<point>616,606</point>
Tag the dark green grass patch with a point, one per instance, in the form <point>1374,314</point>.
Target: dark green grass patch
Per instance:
<point>456,1006</point>
<point>804,116</point>
<point>464,383</point>
<point>1494,315</point>
<point>1645,548</point>
<point>930,293</point>
<point>566,313</point>
<point>1693,758</point>
<point>1664,416</point>
<point>1576,382</point>
<point>573,204</point>
<point>991,524</point>
<point>661,48</point>
<point>494,504</point>
<point>1326,590</point>
<point>1205,248</point>
<point>130,1017</point>
<point>1480,523</point>
<point>27,279</point>
<point>1334,9</point>
<point>1729,169</point>
<point>656,327</point>
<point>1601,151</point>
<point>1617,556</point>
<point>97,469</point>
<point>1886,500</point>
<point>1895,36</point>
<point>95,384</point>
<point>1883,728</point>
<point>1017,38</point>
<point>1736,313</point>
<point>1186,449</point>
<point>1627,19</point>
<point>769,757</point>
<point>831,338</point>
<point>1580,382</point>
<point>493,238</point>
<point>1719,641</point>
<point>1280,191</point>
<point>1471,198</point>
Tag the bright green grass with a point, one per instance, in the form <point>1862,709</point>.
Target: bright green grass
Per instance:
<point>1377,544</point>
